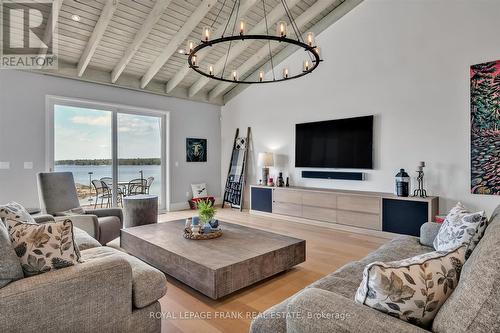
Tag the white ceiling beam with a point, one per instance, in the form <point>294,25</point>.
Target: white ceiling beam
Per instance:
<point>95,38</point>
<point>272,17</point>
<point>345,7</point>
<point>181,74</point>
<point>51,28</point>
<point>177,40</point>
<point>263,53</point>
<point>140,36</point>
<point>127,81</point>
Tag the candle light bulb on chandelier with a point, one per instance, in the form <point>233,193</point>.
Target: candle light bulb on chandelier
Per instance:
<point>211,70</point>
<point>306,66</point>
<point>310,39</point>
<point>281,29</point>
<point>261,76</point>
<point>242,27</point>
<point>285,73</point>
<point>317,50</point>
<point>194,61</point>
<point>205,36</point>
<point>189,46</point>
<point>234,75</point>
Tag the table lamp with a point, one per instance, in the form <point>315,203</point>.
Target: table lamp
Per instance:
<point>265,160</point>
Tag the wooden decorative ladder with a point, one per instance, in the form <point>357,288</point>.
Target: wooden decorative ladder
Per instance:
<point>236,176</point>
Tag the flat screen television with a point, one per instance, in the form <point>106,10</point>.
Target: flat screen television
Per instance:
<point>342,143</point>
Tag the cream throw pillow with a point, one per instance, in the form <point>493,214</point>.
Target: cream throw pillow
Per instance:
<point>16,212</point>
<point>412,289</point>
<point>461,227</point>
<point>43,247</point>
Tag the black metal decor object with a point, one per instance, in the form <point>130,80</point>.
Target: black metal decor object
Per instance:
<point>420,191</point>
<point>203,45</point>
<point>309,64</point>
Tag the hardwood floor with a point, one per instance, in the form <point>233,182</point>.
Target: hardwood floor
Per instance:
<point>186,310</point>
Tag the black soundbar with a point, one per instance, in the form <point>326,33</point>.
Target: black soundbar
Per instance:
<point>333,175</point>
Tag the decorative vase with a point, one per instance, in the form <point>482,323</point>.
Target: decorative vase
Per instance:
<point>195,220</point>
<point>214,223</point>
<point>402,183</point>
<point>207,228</point>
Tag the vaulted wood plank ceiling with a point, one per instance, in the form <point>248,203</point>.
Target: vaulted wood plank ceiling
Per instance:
<point>135,43</point>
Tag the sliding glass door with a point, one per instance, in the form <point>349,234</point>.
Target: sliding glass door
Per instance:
<point>113,151</point>
<point>139,154</point>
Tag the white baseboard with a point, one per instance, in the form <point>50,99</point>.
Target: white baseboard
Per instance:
<point>176,206</point>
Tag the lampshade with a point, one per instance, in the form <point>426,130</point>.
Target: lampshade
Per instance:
<point>265,160</point>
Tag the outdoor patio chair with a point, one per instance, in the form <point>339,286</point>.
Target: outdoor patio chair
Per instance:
<point>137,186</point>
<point>102,192</point>
<point>121,189</point>
<point>149,182</point>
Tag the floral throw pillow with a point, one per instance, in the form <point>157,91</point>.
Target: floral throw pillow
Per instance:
<point>460,227</point>
<point>43,247</point>
<point>16,212</point>
<point>413,289</point>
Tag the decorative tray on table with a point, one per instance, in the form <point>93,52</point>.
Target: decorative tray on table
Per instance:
<point>210,230</point>
<point>199,236</point>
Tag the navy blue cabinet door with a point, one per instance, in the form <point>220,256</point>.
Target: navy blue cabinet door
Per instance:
<point>404,216</point>
<point>262,199</point>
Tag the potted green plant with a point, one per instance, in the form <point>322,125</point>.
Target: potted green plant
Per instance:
<point>206,211</point>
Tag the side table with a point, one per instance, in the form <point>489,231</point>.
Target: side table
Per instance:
<point>139,210</point>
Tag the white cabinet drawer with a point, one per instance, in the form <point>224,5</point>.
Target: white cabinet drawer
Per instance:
<point>369,221</point>
<point>318,199</point>
<point>318,213</point>
<point>359,203</point>
<point>287,209</point>
<point>287,196</point>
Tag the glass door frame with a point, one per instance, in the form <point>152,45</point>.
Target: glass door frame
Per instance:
<point>51,101</point>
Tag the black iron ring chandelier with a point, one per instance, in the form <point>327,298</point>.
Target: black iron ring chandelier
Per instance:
<point>239,34</point>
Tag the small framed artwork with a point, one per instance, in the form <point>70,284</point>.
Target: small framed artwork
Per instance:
<point>196,150</point>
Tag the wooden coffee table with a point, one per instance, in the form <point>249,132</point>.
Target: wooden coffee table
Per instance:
<point>216,267</point>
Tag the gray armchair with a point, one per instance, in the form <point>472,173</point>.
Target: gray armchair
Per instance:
<point>58,198</point>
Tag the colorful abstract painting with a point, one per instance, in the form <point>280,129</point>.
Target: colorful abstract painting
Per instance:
<point>485,128</point>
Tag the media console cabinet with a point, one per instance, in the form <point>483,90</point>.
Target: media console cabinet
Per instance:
<point>369,210</point>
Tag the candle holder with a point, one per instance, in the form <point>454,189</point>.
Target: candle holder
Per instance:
<point>420,191</point>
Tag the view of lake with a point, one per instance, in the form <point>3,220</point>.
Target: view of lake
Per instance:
<point>125,173</point>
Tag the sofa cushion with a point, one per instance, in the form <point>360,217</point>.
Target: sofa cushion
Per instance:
<point>84,240</point>
<point>109,228</point>
<point>473,307</point>
<point>148,283</point>
<point>43,247</point>
<point>398,248</point>
<point>273,320</point>
<point>10,267</point>
<point>412,289</point>
<point>345,281</point>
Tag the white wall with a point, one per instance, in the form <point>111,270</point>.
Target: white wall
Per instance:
<point>407,62</point>
<point>22,131</point>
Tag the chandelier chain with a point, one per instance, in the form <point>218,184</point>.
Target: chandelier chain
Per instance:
<point>229,19</point>
<point>218,14</point>
<point>269,42</point>
<point>292,22</point>
<point>231,42</point>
